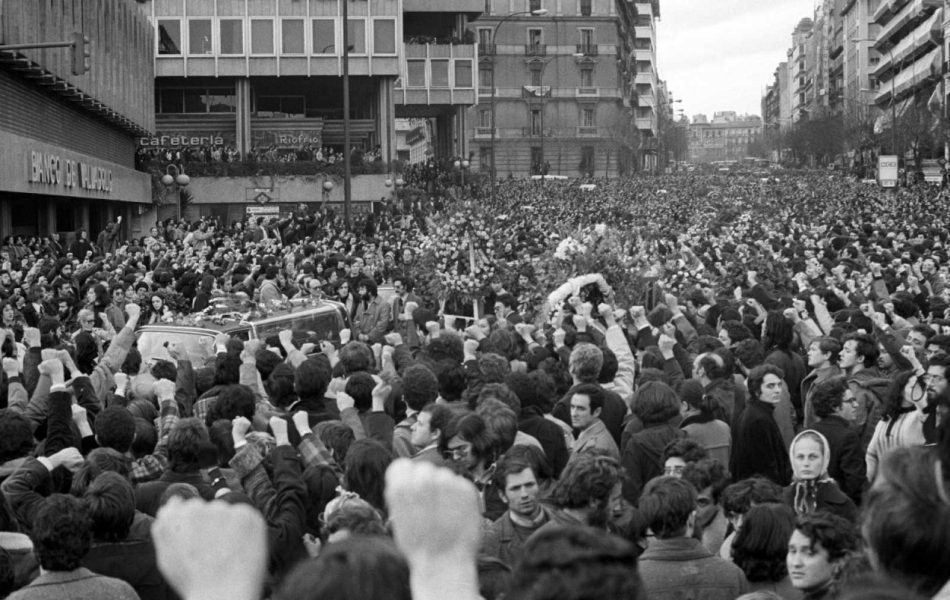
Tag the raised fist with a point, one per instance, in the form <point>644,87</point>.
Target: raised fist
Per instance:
<point>164,389</point>
<point>133,310</point>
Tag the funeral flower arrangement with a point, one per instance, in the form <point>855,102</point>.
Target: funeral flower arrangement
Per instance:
<point>458,251</point>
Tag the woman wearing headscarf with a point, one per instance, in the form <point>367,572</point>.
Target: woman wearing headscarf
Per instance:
<point>812,489</point>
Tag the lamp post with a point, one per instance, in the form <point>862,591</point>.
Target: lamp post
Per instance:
<point>347,190</point>
<point>462,166</point>
<point>327,188</point>
<point>176,178</point>
<point>536,13</point>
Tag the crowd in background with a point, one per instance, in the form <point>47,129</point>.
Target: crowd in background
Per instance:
<point>769,418</point>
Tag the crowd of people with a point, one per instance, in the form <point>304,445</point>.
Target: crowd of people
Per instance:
<point>271,153</point>
<point>769,419</point>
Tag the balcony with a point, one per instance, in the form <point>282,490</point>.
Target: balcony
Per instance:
<point>587,49</point>
<point>470,7</point>
<point>915,43</point>
<point>482,133</point>
<point>440,74</point>
<point>530,132</point>
<point>644,79</point>
<point>886,10</point>
<point>587,92</point>
<point>914,12</point>
<point>536,50</point>
<point>910,78</point>
<point>646,123</point>
<point>589,132</point>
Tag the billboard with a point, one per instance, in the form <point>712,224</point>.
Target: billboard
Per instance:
<point>887,170</point>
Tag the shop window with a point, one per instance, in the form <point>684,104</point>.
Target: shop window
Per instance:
<point>221,100</point>
<point>384,36</point>
<point>231,34</point>
<point>280,107</point>
<point>262,36</point>
<point>194,100</point>
<point>463,73</point>
<point>356,30</point>
<point>169,36</point>
<point>324,32</point>
<point>291,36</point>
<point>170,101</point>
<point>199,36</point>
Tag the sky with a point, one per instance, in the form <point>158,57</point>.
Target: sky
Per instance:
<point>720,54</point>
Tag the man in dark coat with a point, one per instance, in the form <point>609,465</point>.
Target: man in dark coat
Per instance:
<point>836,407</point>
<point>758,447</point>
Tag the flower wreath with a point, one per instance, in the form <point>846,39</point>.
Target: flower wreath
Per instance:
<point>573,287</point>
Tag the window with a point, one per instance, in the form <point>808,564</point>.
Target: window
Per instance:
<point>170,101</point>
<point>384,36</point>
<point>535,121</point>
<point>291,36</point>
<point>231,32</point>
<point>537,159</point>
<point>587,37</point>
<point>535,37</point>
<point>484,117</point>
<point>586,8</point>
<point>486,77</point>
<point>416,72</point>
<point>587,117</point>
<point>199,36</point>
<point>194,100</point>
<point>262,36</point>
<point>440,73</point>
<point>484,36</point>
<point>280,106</point>
<point>324,40</point>
<point>484,158</point>
<point>587,78</point>
<point>534,5</point>
<point>536,77</point>
<point>221,100</point>
<point>357,35</point>
<point>169,36</point>
<point>463,73</point>
<point>587,160</point>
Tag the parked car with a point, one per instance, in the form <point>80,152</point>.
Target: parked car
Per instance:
<point>309,321</point>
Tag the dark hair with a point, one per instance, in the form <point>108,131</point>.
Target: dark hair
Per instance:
<point>360,387</point>
<point>146,438</point>
<point>500,392</point>
<point>608,372</point>
<point>111,503</point>
<point>356,568</point>
<point>587,477</point>
<point>279,385</point>
<point>407,282</point>
<point>666,504</point>
<point>592,391</point>
<point>757,376</point>
<point>115,428</point>
<point>576,563</point>
<point>865,347</point>
<point>494,368</point>
<point>828,345</point>
<point>655,403</point>
<point>502,424</point>
<point>470,427</point>
<point>779,332</point>
<point>907,520</point>
<point>364,471</point>
<point>509,465</point>
<point>370,286</point>
<point>836,534</point>
<point>687,449</point>
<point>312,377</point>
<point>828,395</point>
<point>62,532</point>
<point>356,356</point>
<point>895,393</point>
<point>227,369</point>
<point>419,387</point>
<point>337,437</point>
<point>187,443</point>
<point>452,382</point>
<point>16,435</point>
<point>736,331</point>
<point>749,353</point>
<point>741,495</point>
<point>761,545</point>
<point>233,401</point>
<point>707,472</point>
<point>99,461</point>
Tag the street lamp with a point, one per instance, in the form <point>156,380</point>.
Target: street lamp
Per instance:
<point>535,13</point>
<point>175,178</point>
<point>327,188</point>
<point>462,166</point>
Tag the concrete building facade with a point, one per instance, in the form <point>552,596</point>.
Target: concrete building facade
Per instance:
<point>725,138</point>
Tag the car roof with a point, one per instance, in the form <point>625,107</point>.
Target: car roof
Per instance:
<point>225,323</point>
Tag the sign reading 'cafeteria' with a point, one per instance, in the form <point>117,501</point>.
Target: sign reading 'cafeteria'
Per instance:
<point>51,170</point>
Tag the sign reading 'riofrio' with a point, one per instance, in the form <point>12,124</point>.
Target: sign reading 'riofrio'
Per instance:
<point>50,169</point>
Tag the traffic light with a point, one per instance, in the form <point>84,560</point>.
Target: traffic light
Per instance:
<point>80,53</point>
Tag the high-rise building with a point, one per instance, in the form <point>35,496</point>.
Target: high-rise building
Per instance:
<point>70,117</point>
<point>265,80</point>
<point>552,97</point>
<point>858,58</point>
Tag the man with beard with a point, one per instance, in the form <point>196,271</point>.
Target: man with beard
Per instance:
<point>937,373</point>
<point>517,485</point>
<point>588,493</point>
<point>373,315</point>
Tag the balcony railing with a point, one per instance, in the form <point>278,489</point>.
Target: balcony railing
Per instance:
<point>535,50</point>
<point>588,91</point>
<point>591,131</point>
<point>587,49</point>
<point>483,132</point>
